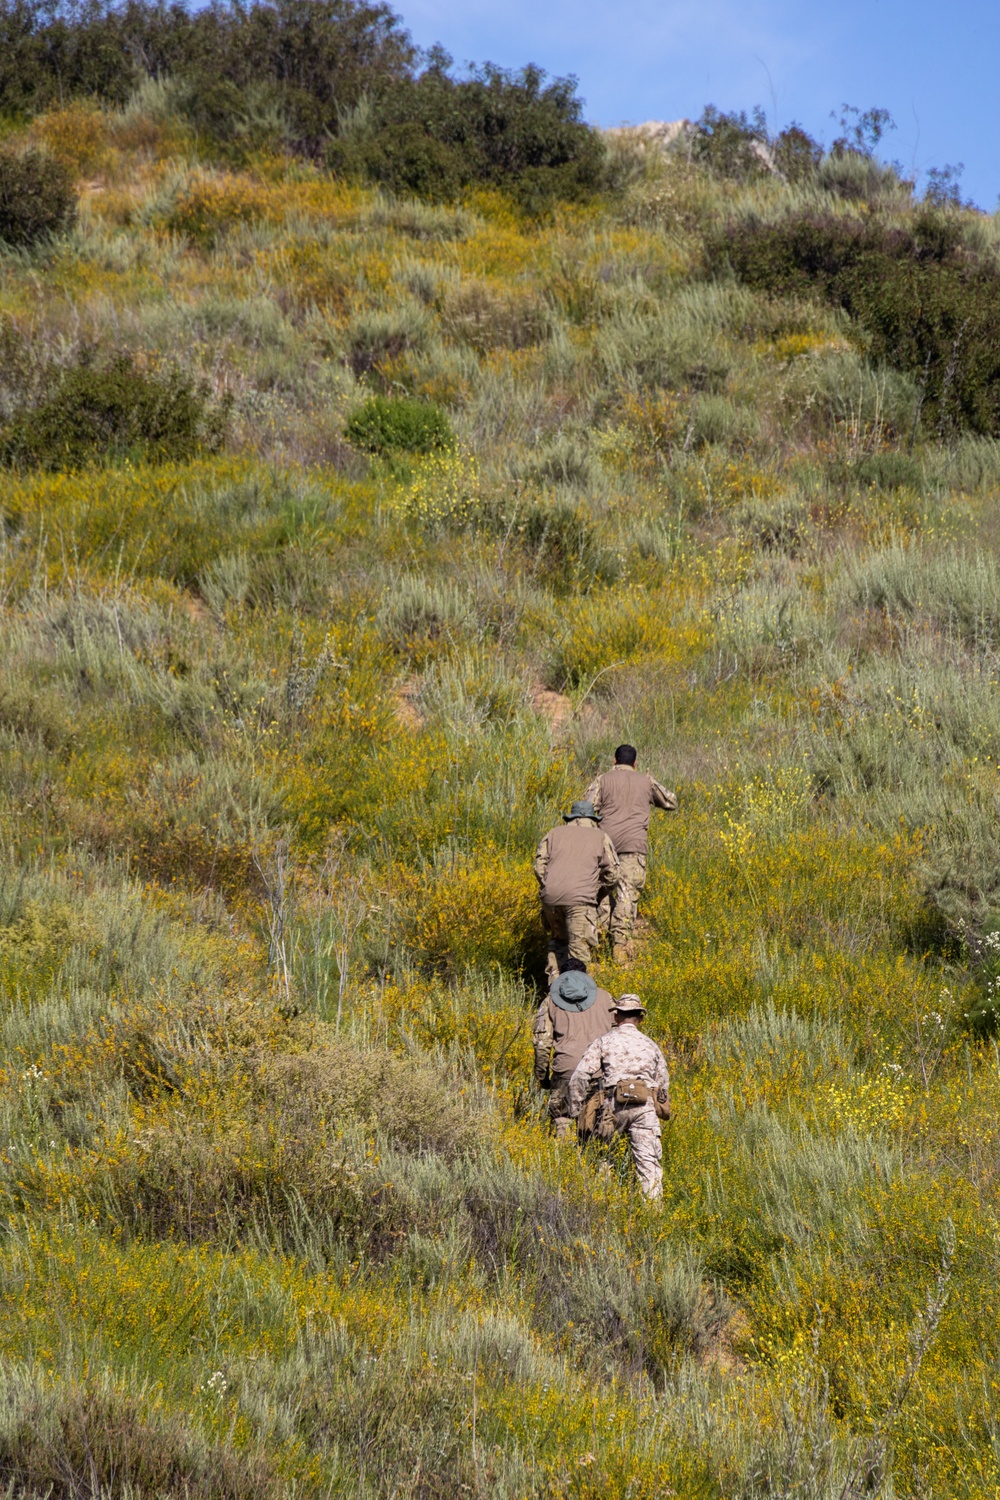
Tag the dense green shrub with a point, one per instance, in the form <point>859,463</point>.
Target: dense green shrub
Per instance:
<point>95,412</point>
<point>891,470</point>
<point>796,155</point>
<point>386,424</point>
<point>740,147</point>
<point>237,121</point>
<point>925,305</point>
<point>36,196</point>
<point>318,55</point>
<point>731,145</point>
<point>407,158</point>
<point>435,135</point>
<point>323,75</point>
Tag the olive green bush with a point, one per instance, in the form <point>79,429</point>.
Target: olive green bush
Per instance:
<point>386,424</point>
<point>99,412</point>
<point>315,57</point>
<point>925,304</point>
<point>36,196</point>
<point>436,135</point>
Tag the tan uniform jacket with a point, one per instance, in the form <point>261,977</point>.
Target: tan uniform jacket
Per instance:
<point>573,862</point>
<point>563,1036</point>
<point>623,797</point>
<point>624,1053</point>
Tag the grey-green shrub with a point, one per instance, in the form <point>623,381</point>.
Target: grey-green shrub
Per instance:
<point>717,419</point>
<point>958,590</point>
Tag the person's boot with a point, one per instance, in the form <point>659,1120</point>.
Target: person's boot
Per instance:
<point>621,953</point>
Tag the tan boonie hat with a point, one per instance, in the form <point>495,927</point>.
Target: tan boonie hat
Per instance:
<point>630,1005</point>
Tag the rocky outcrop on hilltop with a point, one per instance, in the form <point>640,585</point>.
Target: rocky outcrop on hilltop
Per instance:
<point>670,135</point>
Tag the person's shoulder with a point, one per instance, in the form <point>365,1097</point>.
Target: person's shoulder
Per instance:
<point>592,1052</point>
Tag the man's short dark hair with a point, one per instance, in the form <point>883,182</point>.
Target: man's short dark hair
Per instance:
<point>572,966</point>
<point>625,755</point>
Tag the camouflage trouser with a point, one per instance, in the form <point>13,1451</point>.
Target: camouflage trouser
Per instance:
<point>616,909</point>
<point>643,1130</point>
<point>559,1112</point>
<point>572,932</point>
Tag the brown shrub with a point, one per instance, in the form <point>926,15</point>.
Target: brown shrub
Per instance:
<point>487,316</point>
<point>78,1442</point>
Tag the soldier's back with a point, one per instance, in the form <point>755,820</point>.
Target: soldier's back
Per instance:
<point>626,797</point>
<point>629,1053</point>
<point>574,863</point>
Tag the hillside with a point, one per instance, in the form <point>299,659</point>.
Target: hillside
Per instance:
<point>294,680</point>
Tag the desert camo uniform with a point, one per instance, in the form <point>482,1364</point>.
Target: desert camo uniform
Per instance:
<point>626,1053</point>
<point>572,864</point>
<point>624,797</point>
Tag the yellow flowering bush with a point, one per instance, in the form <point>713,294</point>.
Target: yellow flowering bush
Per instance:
<point>471,911</point>
<point>443,492</point>
<point>210,203</point>
<point>77,136</point>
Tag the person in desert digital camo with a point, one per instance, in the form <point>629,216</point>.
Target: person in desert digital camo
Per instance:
<point>621,1086</point>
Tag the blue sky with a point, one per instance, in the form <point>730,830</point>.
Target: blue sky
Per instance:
<point>935,66</point>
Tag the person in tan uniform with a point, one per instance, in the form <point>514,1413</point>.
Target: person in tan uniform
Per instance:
<point>627,1073</point>
<point>572,864</point>
<point>573,1014</point>
<point>624,796</point>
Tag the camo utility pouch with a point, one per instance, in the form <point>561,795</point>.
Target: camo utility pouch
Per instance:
<point>631,1091</point>
<point>586,1120</point>
<point>661,1103</point>
<point>605,1127</point>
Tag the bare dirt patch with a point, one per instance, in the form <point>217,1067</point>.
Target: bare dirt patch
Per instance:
<point>555,708</point>
<point>407,714</point>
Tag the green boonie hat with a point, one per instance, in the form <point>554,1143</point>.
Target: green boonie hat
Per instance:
<point>574,991</point>
<point>582,810</point>
<point>629,1005</point>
